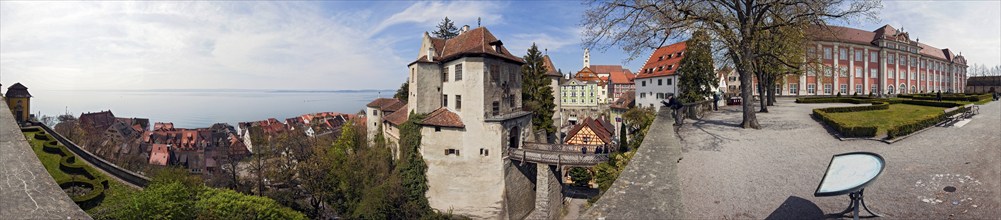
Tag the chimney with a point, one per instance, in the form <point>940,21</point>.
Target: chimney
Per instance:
<point>430,54</point>
<point>465,28</point>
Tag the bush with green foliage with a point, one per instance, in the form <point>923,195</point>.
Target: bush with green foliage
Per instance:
<point>873,107</point>
<point>215,203</point>
<point>580,176</point>
<point>845,130</point>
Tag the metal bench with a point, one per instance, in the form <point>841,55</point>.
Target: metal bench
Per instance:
<point>953,118</point>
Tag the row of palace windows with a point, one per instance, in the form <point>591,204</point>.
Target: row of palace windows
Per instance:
<point>890,58</point>
<point>812,89</point>
<point>828,71</point>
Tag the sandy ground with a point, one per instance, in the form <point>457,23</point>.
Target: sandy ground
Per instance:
<point>732,173</point>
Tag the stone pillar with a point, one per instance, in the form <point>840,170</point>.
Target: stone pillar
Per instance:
<point>865,71</point>
<point>837,69</point>
<point>851,71</point>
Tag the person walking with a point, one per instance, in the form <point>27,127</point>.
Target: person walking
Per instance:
<point>715,101</point>
<point>938,96</point>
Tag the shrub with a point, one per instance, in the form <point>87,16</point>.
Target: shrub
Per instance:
<point>41,136</point>
<point>96,189</point>
<point>844,130</point>
<point>905,129</point>
<point>31,129</point>
<point>228,204</point>
<point>931,103</point>
<point>874,106</point>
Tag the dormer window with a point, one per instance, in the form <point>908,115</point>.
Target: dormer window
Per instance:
<point>669,56</point>
<point>679,54</point>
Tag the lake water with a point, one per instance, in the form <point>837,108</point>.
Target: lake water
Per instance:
<point>202,108</point>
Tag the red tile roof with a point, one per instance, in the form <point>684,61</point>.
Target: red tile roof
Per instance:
<point>444,118</point>
<point>97,121</point>
<point>380,103</point>
<point>659,61</point>
<point>625,101</point>
<point>600,128</point>
<point>622,77</point>
<point>158,155</point>
<point>478,41</point>
<point>606,69</point>
<point>550,68</point>
<point>398,117</point>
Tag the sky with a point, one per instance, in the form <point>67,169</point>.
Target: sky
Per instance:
<point>341,45</point>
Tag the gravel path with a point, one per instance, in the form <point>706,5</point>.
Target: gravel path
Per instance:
<point>729,172</point>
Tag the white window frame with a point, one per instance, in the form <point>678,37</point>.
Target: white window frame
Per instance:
<point>843,88</point>
<point>811,88</point>
<point>828,88</point>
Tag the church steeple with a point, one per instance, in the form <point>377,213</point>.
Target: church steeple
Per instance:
<point>587,58</point>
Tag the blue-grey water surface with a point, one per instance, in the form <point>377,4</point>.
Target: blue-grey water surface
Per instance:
<point>201,108</point>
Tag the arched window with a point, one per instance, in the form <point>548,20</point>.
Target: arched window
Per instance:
<point>903,88</point>
<point>514,137</point>
<point>889,89</point>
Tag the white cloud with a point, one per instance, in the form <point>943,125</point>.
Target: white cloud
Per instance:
<point>431,13</point>
<point>555,40</point>
<point>149,45</point>
<point>970,27</point>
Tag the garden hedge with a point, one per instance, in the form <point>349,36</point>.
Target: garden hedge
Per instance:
<point>874,106</point>
<point>68,164</point>
<point>905,129</point>
<point>846,131</point>
<point>931,103</point>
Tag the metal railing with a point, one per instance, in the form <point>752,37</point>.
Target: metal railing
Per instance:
<point>567,148</point>
<point>555,157</point>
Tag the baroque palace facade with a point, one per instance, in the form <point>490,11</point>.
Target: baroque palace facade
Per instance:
<point>884,61</point>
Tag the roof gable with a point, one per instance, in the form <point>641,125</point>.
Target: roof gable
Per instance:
<point>444,118</point>
<point>664,61</point>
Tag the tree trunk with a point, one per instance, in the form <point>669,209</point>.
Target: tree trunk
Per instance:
<point>744,70</point>
<point>771,91</point>
<point>761,92</point>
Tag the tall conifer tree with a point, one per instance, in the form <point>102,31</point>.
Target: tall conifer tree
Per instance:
<point>536,95</point>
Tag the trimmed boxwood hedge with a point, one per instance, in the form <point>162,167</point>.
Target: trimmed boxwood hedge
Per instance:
<point>97,189</point>
<point>906,129</point>
<point>874,106</point>
<point>847,131</point>
<point>931,103</point>
<point>68,164</point>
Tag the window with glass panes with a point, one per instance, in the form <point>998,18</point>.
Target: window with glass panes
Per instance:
<point>859,72</point>
<point>811,88</point>
<point>858,88</point>
<point>858,55</point>
<point>793,88</point>
<point>873,74</point>
<point>873,88</point>
<point>827,88</point>
<point>843,54</point>
<point>873,57</point>
<point>827,53</point>
<point>843,89</point>
<point>889,73</point>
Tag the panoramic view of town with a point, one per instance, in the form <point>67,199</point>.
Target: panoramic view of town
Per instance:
<point>595,109</point>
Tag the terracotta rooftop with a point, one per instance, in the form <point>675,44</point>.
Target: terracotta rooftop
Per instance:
<point>380,103</point>
<point>550,68</point>
<point>17,91</point>
<point>444,118</point>
<point>625,101</point>
<point>158,155</point>
<point>477,41</point>
<point>97,121</point>
<point>398,117</point>
<point>600,128</point>
<point>622,77</point>
<point>606,69</point>
<point>663,62</point>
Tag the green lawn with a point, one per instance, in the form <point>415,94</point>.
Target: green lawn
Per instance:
<point>898,114</point>
<point>117,190</point>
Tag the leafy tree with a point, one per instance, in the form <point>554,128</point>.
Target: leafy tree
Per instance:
<point>404,92</point>
<point>536,95</point>
<point>639,119</point>
<point>446,29</point>
<point>160,200</point>
<point>413,170</point>
<point>229,204</point>
<point>697,70</point>
<point>580,176</point>
<point>736,26</point>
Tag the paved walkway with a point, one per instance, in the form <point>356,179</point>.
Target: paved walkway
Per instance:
<point>728,172</point>
<point>27,190</point>
<point>648,188</point>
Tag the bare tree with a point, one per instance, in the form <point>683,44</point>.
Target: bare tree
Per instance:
<point>638,25</point>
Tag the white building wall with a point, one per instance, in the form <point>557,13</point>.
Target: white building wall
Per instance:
<point>646,95</point>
